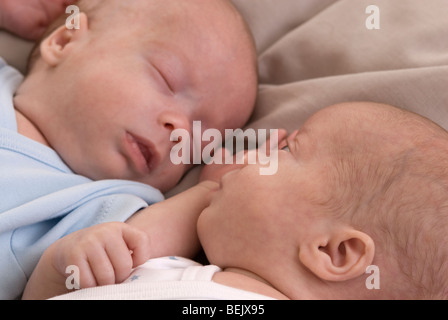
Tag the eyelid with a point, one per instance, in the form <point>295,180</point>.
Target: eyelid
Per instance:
<point>165,80</point>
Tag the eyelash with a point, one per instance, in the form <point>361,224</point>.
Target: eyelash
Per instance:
<point>162,76</point>
<point>166,81</point>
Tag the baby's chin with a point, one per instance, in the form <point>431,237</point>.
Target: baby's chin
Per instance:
<point>163,182</point>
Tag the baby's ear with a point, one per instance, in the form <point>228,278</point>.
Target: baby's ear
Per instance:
<point>343,255</point>
<point>58,45</point>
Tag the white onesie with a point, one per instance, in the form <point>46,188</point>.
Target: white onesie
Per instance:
<point>169,278</point>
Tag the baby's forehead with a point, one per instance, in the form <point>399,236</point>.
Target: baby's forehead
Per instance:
<point>359,121</point>
<point>202,29</point>
<point>157,12</point>
<point>358,135</point>
<point>369,135</point>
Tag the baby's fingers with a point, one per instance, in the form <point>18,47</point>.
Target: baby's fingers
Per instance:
<point>126,252</point>
<point>120,260</point>
<point>138,243</point>
<point>100,271</point>
<point>114,254</point>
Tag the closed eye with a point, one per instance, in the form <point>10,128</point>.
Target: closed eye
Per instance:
<point>165,80</point>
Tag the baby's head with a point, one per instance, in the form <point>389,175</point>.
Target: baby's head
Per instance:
<point>362,184</point>
<point>108,96</point>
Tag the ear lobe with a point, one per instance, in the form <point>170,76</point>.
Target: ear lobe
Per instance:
<point>58,45</point>
<point>340,257</point>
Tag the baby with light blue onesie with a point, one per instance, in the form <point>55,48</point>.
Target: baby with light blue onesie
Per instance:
<point>42,200</point>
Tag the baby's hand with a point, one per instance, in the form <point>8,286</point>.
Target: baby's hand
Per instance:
<point>29,18</point>
<point>105,254</point>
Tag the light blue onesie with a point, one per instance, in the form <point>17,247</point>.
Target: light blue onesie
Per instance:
<point>42,200</point>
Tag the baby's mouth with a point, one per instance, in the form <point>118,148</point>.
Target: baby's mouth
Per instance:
<point>146,154</point>
<point>142,153</point>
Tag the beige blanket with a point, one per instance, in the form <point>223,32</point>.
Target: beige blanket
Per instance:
<point>315,53</point>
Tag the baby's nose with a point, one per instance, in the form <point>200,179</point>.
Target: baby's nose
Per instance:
<point>174,121</point>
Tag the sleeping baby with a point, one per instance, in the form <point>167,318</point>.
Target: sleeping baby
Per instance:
<point>359,185</point>
<point>85,136</point>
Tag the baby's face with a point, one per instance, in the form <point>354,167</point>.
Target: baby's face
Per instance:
<point>254,220</point>
<point>124,89</point>
<point>252,215</point>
